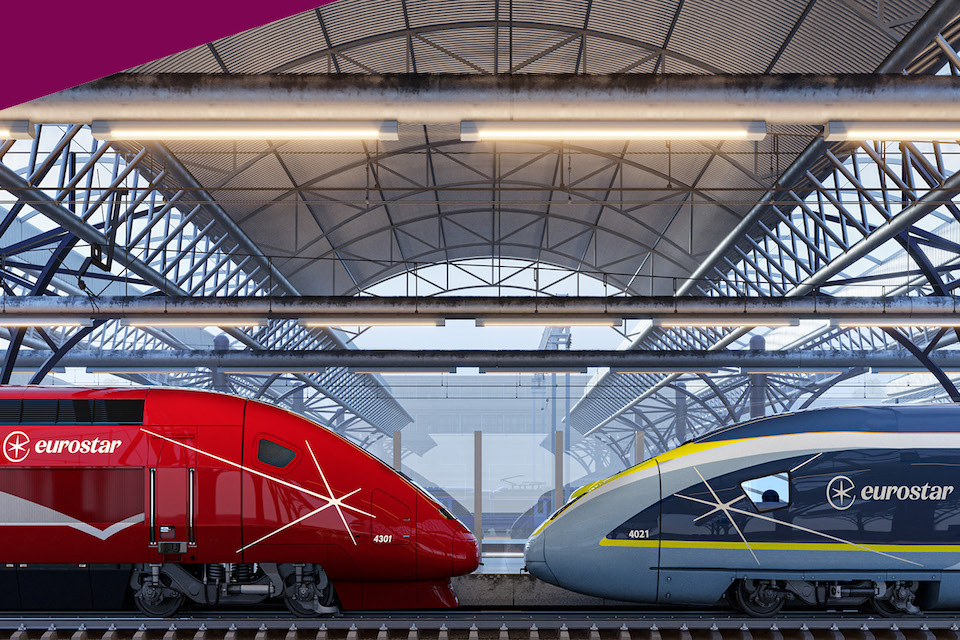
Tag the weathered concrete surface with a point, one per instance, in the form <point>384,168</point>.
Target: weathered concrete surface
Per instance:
<point>450,98</point>
<point>520,590</point>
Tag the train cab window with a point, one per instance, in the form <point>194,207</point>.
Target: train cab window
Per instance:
<point>769,492</point>
<point>273,454</point>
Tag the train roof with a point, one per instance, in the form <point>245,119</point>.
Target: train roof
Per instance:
<point>941,418</point>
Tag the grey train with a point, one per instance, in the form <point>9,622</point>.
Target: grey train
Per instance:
<point>842,507</point>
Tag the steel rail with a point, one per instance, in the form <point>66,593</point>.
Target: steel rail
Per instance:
<point>648,621</point>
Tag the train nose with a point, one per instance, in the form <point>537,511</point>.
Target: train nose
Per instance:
<point>535,559</point>
<point>466,553</point>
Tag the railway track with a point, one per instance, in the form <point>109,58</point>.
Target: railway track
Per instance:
<point>481,625</point>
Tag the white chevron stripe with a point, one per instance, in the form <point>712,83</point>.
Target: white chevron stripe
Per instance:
<point>19,512</point>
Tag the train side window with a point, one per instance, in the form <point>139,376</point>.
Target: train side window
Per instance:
<point>273,454</point>
<point>769,492</point>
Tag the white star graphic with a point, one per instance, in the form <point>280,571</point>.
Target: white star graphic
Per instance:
<point>842,493</point>
<point>331,501</point>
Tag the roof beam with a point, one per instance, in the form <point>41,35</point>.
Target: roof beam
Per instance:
<point>508,361</point>
<point>450,98</point>
<point>352,310</point>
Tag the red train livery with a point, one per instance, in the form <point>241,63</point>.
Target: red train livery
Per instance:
<point>215,499</point>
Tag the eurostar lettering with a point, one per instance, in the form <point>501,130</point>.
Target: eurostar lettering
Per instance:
<point>77,446</point>
<point>915,492</point>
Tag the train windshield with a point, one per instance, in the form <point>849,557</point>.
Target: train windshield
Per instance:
<point>416,485</point>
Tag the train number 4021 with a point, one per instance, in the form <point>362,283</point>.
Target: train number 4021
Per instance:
<point>638,534</point>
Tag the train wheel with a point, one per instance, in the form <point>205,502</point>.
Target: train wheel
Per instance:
<point>755,598</point>
<point>158,602</point>
<point>899,601</point>
<point>310,599</point>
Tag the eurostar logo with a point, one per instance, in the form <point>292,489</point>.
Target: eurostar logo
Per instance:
<point>16,446</point>
<point>841,493</point>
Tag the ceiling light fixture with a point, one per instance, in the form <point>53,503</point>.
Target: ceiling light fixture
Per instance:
<point>785,371</point>
<point>192,321</point>
<point>479,131</point>
<point>533,369</point>
<point>738,321</point>
<point>880,322</point>
<point>533,321</point>
<point>403,370</point>
<point>15,130</point>
<point>43,321</point>
<point>244,130</point>
<point>836,131</point>
<point>371,321</point>
<point>655,369</point>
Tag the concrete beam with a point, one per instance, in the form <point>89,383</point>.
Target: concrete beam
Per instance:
<point>532,309</point>
<point>426,99</point>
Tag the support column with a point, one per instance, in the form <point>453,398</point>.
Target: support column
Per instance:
<point>566,413</point>
<point>758,382</point>
<point>638,454</point>
<point>558,469</point>
<point>681,419</point>
<point>219,379</point>
<point>397,452</point>
<point>296,401</point>
<point>478,487</point>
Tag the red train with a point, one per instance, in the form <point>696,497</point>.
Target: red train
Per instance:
<point>215,499</point>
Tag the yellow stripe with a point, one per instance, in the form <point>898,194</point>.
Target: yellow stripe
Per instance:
<point>673,454</point>
<point>783,546</point>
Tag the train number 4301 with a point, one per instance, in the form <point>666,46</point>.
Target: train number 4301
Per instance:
<point>638,534</point>
<point>383,538</point>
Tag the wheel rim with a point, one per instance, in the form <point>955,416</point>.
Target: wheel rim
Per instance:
<point>164,608</point>
<point>748,595</point>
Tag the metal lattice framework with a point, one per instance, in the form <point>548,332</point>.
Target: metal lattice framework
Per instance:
<point>156,246</point>
<point>873,217</point>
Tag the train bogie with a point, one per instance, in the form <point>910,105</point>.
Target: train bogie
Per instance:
<point>834,507</point>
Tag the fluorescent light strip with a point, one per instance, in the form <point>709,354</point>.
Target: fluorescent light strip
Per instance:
<point>355,321</point>
<point>404,370</point>
<point>781,370</point>
<point>739,321</point>
<point>666,370</point>
<point>270,369</point>
<point>895,322</point>
<point>532,370</point>
<point>836,131</point>
<point>910,370</point>
<point>533,321</point>
<point>43,321</point>
<point>120,370</point>
<point>192,321</point>
<point>479,131</point>
<point>244,130</point>
<point>15,130</point>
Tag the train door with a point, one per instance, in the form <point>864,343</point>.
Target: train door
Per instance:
<point>172,491</point>
<point>392,526</point>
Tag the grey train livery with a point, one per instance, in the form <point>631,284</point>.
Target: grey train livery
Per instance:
<point>842,507</point>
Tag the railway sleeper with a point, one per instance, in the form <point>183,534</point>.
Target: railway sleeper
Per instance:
<point>767,597</point>
<point>160,589</point>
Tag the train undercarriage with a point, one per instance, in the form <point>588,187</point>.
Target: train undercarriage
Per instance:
<point>161,589</point>
<point>762,598</point>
